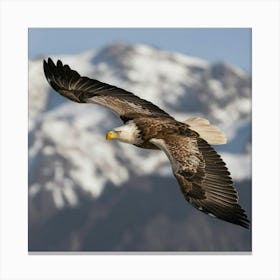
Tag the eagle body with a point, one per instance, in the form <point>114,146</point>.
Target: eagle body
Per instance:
<point>142,129</point>
<point>200,172</point>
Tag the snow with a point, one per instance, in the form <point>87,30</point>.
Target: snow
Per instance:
<point>239,164</point>
<point>37,91</point>
<point>57,194</point>
<point>216,88</point>
<point>72,136</point>
<point>69,192</point>
<point>80,62</point>
<point>238,71</point>
<point>245,105</point>
<point>34,189</point>
<point>190,61</point>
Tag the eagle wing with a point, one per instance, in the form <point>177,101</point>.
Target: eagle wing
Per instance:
<point>203,177</point>
<point>81,89</point>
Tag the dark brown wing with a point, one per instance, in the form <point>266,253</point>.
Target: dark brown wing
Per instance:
<point>80,89</point>
<point>203,178</point>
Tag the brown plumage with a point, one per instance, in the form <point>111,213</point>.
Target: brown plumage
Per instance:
<point>201,173</point>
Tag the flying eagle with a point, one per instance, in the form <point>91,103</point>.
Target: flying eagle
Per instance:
<point>201,173</point>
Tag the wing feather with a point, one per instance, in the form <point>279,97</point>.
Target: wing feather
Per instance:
<point>203,177</point>
<point>80,89</point>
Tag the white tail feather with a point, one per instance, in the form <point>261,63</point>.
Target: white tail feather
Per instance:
<point>207,131</point>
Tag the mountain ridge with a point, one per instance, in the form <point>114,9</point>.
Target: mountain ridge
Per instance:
<point>69,159</point>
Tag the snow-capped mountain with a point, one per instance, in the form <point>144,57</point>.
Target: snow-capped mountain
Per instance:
<point>69,158</point>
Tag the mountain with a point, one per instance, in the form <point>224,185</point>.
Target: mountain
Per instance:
<point>88,194</point>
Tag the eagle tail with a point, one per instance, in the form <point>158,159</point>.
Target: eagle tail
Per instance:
<point>207,131</point>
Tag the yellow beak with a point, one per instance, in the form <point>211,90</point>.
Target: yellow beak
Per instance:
<point>111,135</point>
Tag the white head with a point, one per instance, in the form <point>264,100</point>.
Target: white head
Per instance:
<point>128,133</point>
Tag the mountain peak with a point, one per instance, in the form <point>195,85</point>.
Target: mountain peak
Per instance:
<point>121,51</point>
<point>182,85</point>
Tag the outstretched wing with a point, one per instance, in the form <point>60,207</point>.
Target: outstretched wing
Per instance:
<point>203,177</point>
<point>80,89</point>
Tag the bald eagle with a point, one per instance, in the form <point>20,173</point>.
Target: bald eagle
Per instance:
<point>201,173</point>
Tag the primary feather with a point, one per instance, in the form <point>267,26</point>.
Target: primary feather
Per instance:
<point>201,173</point>
<point>85,90</point>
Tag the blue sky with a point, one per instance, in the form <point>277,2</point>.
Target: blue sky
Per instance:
<point>232,45</point>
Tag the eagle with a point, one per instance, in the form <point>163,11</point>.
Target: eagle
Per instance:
<point>200,171</point>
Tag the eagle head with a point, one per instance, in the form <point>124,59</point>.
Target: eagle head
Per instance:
<point>128,133</point>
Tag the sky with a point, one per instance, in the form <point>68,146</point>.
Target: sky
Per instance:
<point>231,45</point>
